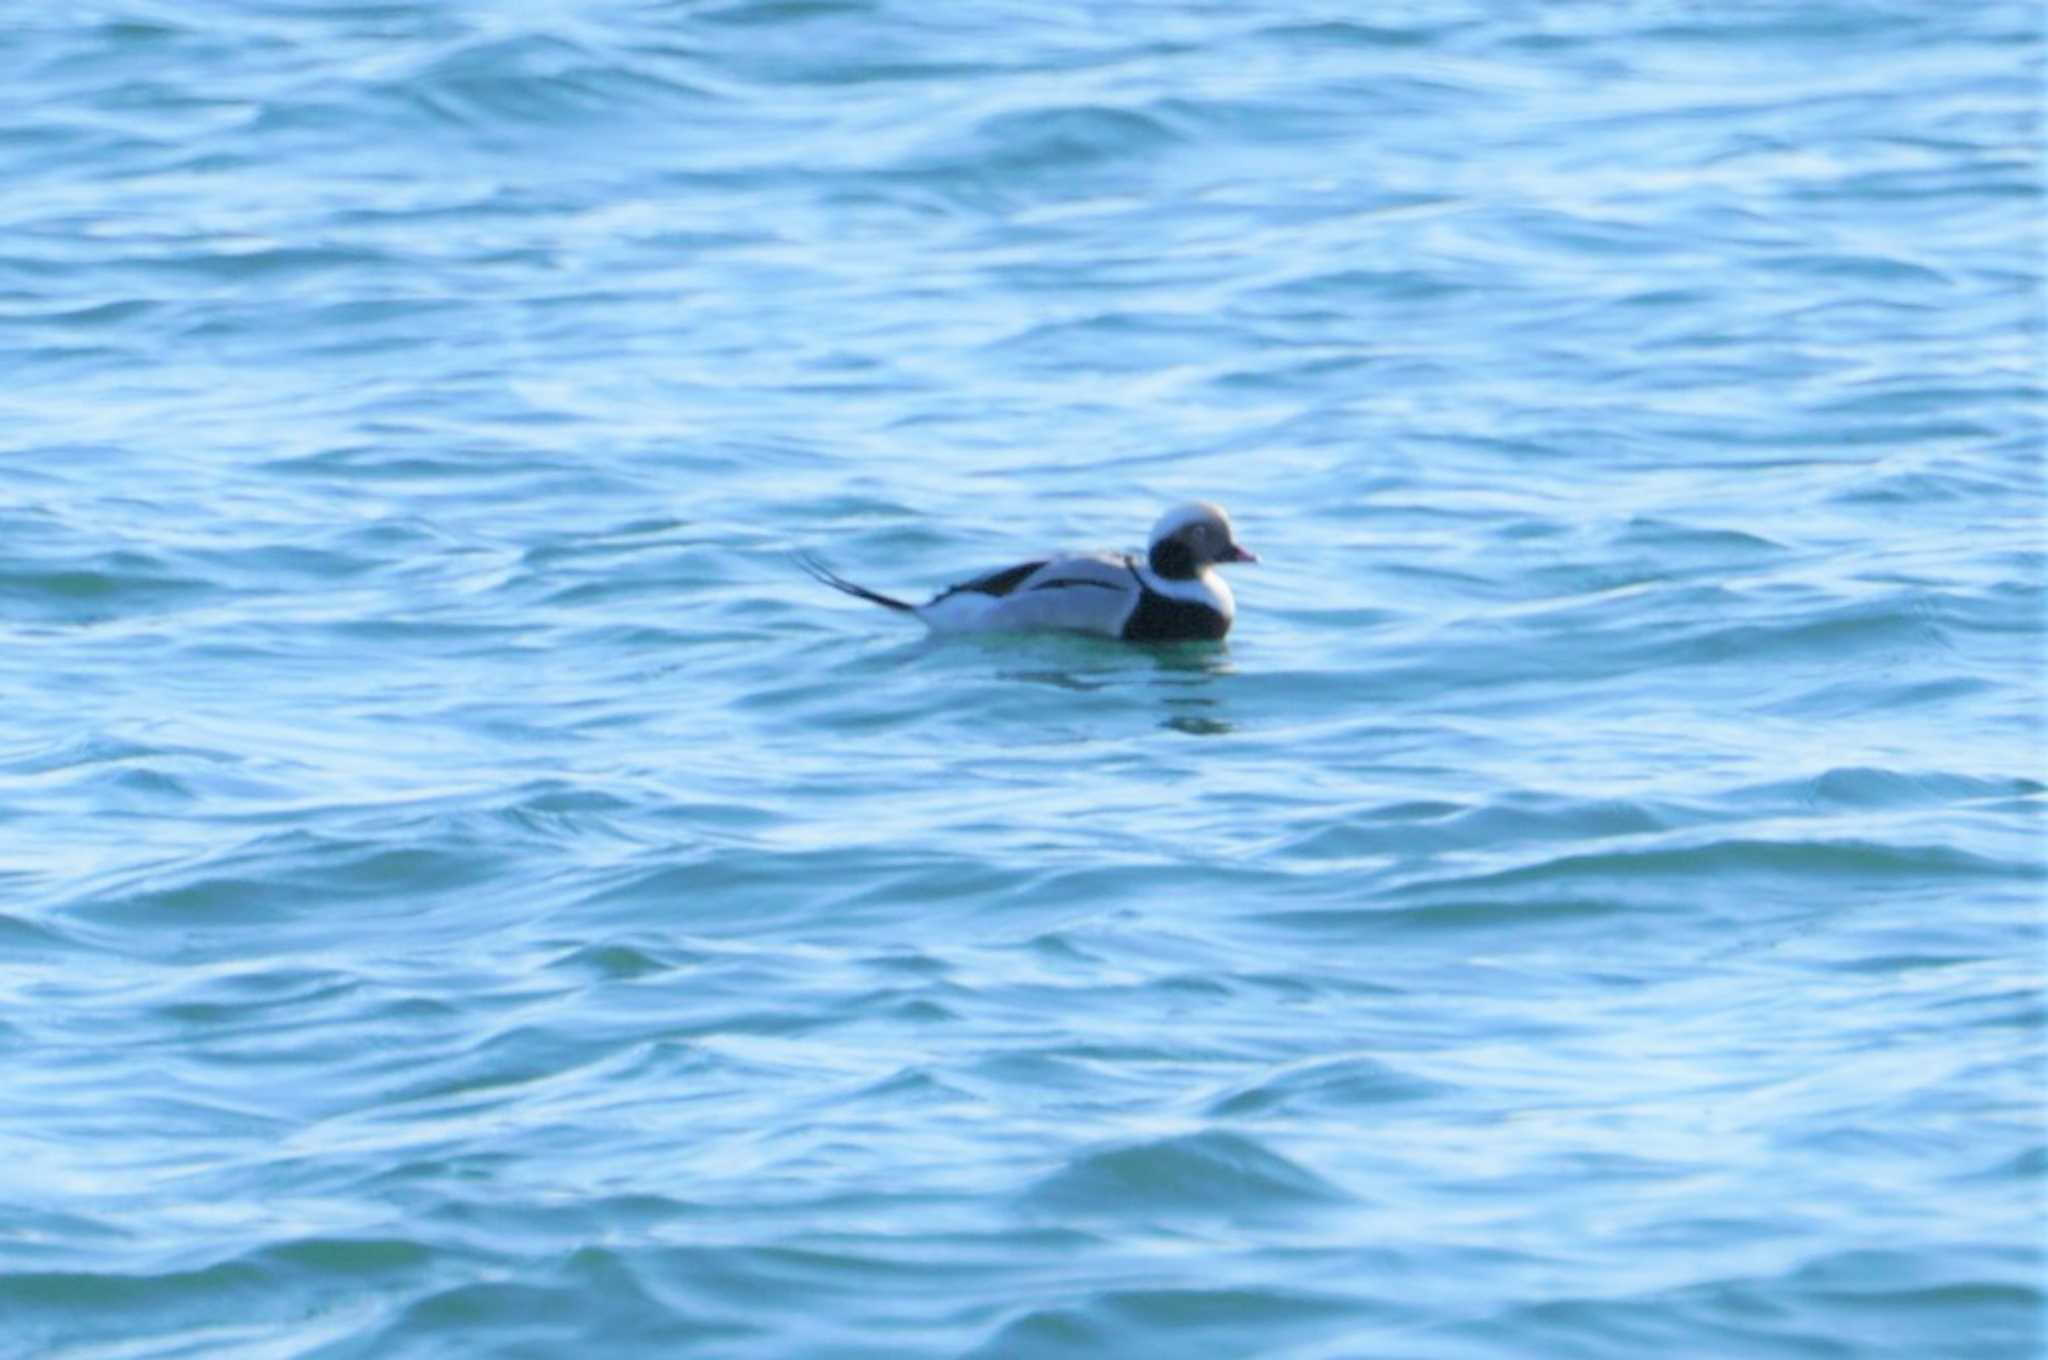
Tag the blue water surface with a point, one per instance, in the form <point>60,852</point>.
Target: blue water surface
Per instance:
<point>465,893</point>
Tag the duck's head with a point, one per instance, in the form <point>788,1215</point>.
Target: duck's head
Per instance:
<point>1189,539</point>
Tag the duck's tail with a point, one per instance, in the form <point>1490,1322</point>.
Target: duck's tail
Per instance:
<point>820,572</point>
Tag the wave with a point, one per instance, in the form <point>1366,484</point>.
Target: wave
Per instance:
<point>1231,1175</point>
<point>1345,1087</point>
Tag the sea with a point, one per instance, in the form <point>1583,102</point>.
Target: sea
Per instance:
<point>467,894</point>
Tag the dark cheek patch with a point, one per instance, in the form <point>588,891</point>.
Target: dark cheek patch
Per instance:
<point>1170,560</point>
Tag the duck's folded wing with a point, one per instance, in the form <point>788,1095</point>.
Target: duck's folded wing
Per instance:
<point>1091,594</point>
<point>1001,581</point>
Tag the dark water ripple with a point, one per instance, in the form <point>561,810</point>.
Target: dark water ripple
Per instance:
<point>465,894</point>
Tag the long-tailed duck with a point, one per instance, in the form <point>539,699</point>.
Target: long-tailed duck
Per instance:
<point>1171,596</point>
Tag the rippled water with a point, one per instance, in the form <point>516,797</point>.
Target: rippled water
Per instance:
<point>466,894</point>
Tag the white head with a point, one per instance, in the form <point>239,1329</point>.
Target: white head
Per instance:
<point>1189,539</point>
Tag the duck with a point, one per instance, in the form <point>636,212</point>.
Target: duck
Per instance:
<point>1172,594</point>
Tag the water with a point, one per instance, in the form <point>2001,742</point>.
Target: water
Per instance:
<point>465,893</point>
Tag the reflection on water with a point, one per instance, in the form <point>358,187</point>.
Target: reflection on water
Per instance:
<point>1061,679</point>
<point>1187,672</point>
<point>1192,670</point>
<point>1192,658</point>
<point>1198,726</point>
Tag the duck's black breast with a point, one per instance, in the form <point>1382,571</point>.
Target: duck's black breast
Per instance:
<point>1162,618</point>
